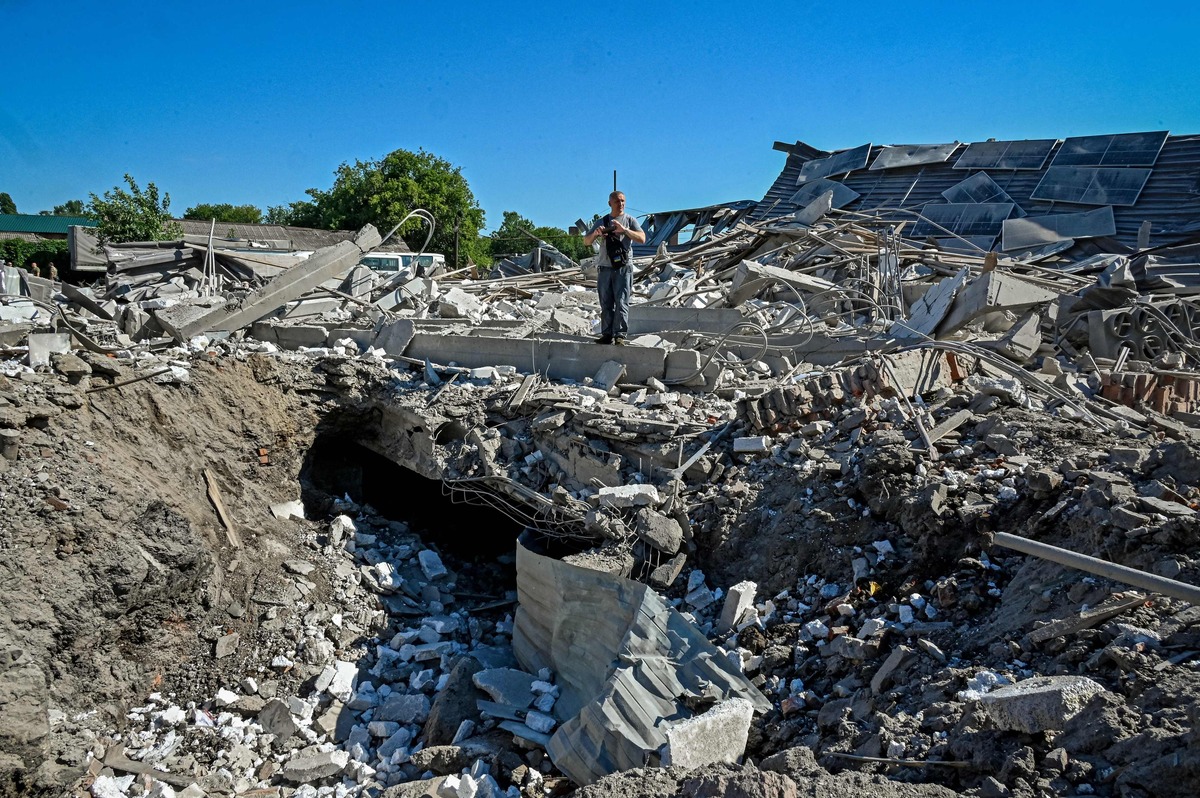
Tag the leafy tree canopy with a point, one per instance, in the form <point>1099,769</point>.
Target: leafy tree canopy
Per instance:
<point>6,203</point>
<point>68,208</point>
<point>298,214</point>
<point>134,215</point>
<point>516,235</point>
<point>224,212</point>
<point>383,192</point>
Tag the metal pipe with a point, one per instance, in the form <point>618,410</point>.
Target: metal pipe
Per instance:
<point>1119,573</point>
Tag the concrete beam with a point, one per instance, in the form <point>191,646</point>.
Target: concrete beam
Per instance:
<point>652,319</point>
<point>989,292</point>
<point>557,359</point>
<point>290,285</point>
<point>751,277</point>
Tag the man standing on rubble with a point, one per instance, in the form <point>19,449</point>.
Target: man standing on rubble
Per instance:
<point>615,280</point>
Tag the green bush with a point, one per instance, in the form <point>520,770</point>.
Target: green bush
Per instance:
<point>19,252</point>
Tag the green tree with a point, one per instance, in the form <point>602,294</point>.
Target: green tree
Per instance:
<point>298,214</point>
<point>71,208</point>
<point>516,234</point>
<point>383,192</point>
<point>134,215</point>
<point>224,212</point>
<point>6,203</point>
<point>68,208</point>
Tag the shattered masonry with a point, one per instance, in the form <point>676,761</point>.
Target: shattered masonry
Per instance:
<point>783,525</point>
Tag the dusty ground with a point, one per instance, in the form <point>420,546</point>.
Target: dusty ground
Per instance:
<point>119,578</point>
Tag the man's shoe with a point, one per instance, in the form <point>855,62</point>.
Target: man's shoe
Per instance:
<point>604,339</point>
<point>619,341</point>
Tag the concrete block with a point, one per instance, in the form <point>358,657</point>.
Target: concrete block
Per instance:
<point>178,320</point>
<point>277,720</point>
<point>630,496</point>
<point>558,359</point>
<point>718,735</point>
<point>42,345</point>
<point>739,599</point>
<point>312,765</point>
<point>659,531</point>
<point>301,335</point>
<point>336,721</point>
<point>1039,704</point>
<point>344,676</point>
<point>507,686</point>
<point>404,708</point>
<point>656,318</point>
<point>458,304</point>
<point>665,575</point>
<point>311,306</point>
<point>900,657</point>
<point>360,281</point>
<point>684,364</point>
<point>394,337</point>
<point>609,374</point>
<point>227,645</point>
<point>431,564</point>
<point>751,445</point>
<point>395,741</point>
<point>989,292</point>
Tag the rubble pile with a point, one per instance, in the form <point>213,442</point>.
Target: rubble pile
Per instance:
<point>782,543</point>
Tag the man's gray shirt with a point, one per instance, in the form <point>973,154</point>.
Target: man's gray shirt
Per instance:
<point>625,219</point>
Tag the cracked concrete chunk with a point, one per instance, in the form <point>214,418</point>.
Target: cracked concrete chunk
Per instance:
<point>661,532</point>
<point>718,735</point>
<point>1039,704</point>
<point>226,645</point>
<point>506,686</point>
<point>312,765</point>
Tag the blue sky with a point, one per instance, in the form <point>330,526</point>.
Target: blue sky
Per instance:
<point>539,102</point>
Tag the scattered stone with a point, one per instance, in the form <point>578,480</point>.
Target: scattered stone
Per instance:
<point>226,645</point>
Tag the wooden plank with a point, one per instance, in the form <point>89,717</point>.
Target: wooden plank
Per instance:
<point>214,495</point>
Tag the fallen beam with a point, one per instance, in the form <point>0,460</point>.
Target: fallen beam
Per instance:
<point>1093,565</point>
<point>292,284</point>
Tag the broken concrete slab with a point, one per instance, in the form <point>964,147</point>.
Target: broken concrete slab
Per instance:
<point>1043,703</point>
<point>289,285</point>
<point>312,764</point>
<point>718,735</point>
<point>506,686</point>
<point>661,532</point>
<point>993,291</point>
<point>42,345</point>
<point>738,600</point>
<point>556,359</point>
<point>659,318</point>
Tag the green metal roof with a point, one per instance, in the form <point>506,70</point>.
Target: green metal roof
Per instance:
<point>36,223</point>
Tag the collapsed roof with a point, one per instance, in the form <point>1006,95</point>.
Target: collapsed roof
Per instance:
<point>1112,193</point>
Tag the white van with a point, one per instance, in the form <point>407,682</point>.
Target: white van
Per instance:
<point>425,265</point>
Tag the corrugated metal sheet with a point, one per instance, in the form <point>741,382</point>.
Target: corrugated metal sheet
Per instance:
<point>41,225</point>
<point>624,660</point>
<point>1170,200</point>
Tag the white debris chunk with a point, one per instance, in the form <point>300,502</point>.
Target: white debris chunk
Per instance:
<point>629,496</point>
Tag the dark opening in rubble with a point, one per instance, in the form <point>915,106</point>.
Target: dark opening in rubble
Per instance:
<point>337,467</point>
